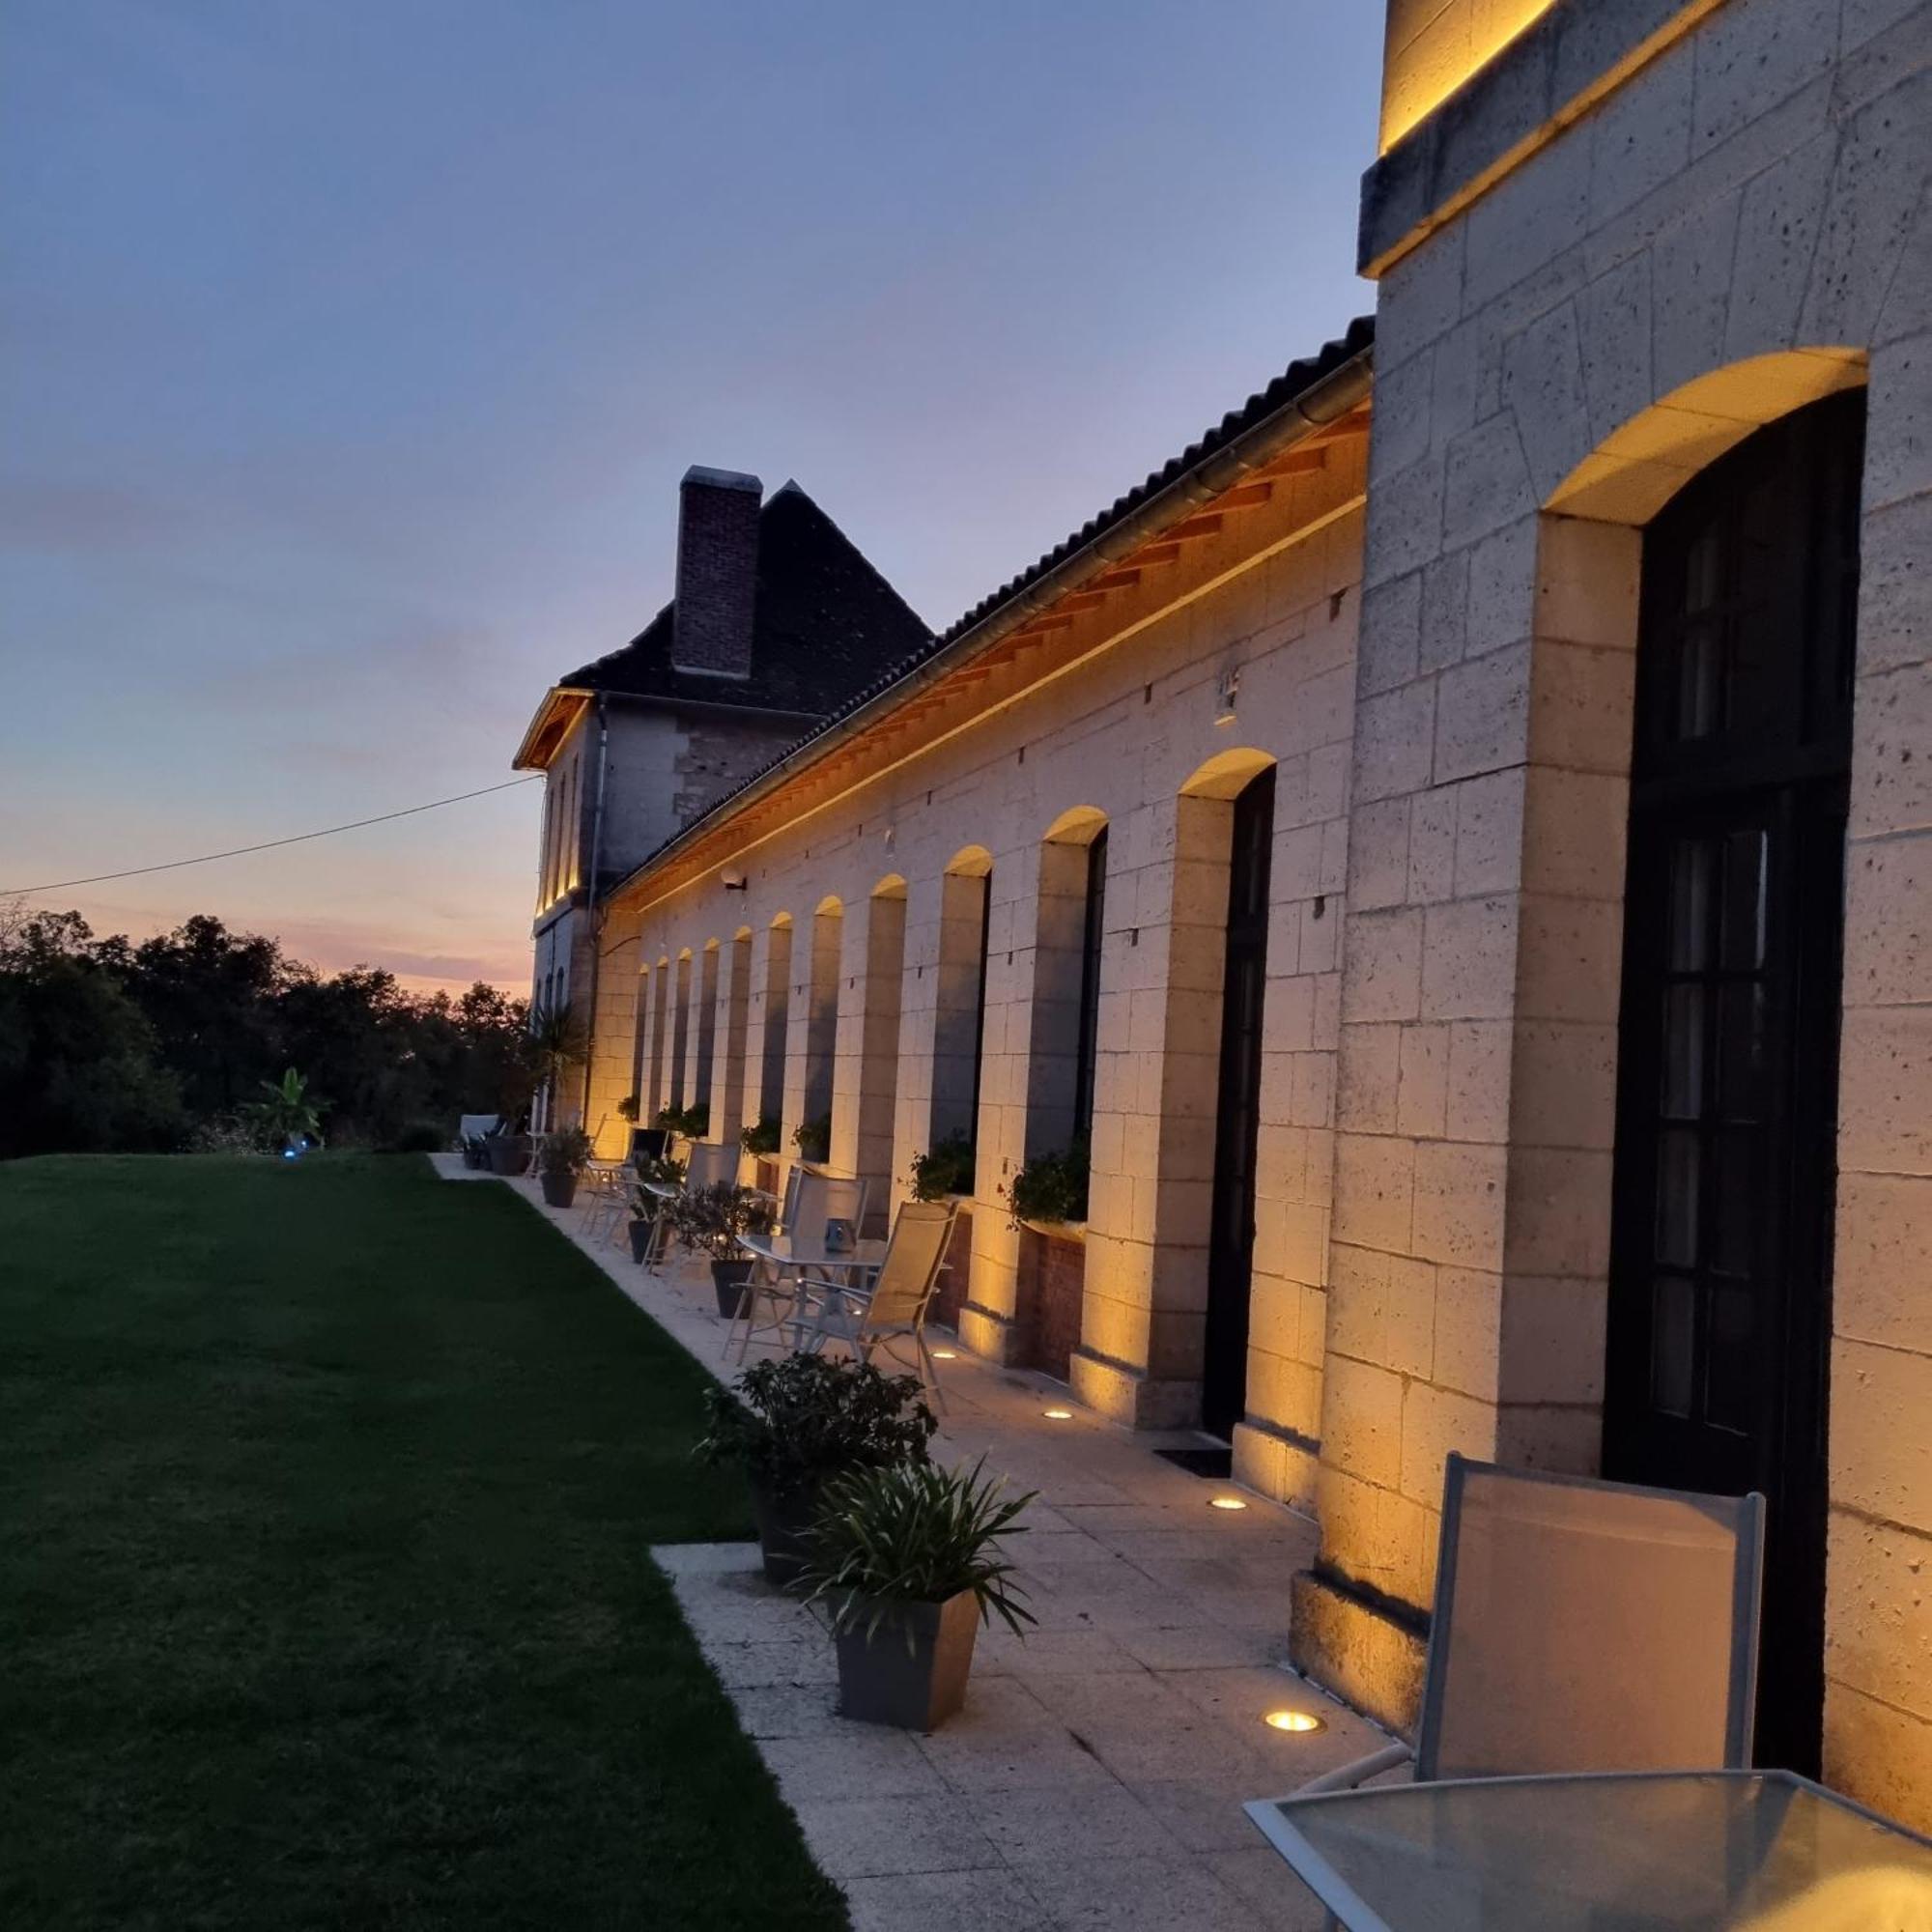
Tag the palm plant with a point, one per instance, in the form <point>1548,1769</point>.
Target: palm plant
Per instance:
<point>291,1113</point>
<point>557,1040</point>
<point>914,1533</point>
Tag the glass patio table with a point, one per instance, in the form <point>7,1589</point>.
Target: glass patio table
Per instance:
<point>1602,1851</point>
<point>801,1252</point>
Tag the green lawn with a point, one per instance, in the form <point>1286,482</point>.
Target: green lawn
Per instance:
<point>325,1493</point>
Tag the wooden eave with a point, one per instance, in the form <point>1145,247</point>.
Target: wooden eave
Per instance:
<point>1115,594</point>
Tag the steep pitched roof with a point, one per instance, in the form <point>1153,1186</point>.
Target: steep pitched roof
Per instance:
<point>824,624</point>
<point>1299,378</point>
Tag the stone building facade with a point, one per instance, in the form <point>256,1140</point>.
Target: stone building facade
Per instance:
<point>1509,1008</point>
<point>776,620</point>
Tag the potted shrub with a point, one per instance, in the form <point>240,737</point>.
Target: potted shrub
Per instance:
<point>947,1169</point>
<point>813,1138</point>
<point>712,1219</point>
<point>761,1137</point>
<point>1050,1187</point>
<point>796,1423</point>
<point>561,1158</point>
<point>691,1123</point>
<point>645,1207</point>
<point>907,1559</point>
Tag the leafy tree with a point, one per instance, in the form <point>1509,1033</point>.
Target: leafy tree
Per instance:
<point>79,1066</point>
<point>104,1043</point>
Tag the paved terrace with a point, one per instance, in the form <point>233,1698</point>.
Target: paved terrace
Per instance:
<point>1096,1774</point>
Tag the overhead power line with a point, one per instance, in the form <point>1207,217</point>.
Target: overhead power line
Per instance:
<point>267,844</point>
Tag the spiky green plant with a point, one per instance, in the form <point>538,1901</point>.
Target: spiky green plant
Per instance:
<point>290,1112</point>
<point>557,1040</point>
<point>914,1533</point>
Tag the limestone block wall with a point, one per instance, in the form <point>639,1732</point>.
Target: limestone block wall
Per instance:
<point>1740,227</point>
<point>1142,730</point>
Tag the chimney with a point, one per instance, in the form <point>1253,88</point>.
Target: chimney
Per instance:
<point>717,572</point>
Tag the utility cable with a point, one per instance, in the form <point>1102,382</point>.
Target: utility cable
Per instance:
<point>268,845</point>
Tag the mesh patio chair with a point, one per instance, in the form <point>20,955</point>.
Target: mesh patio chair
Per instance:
<point>891,1312</point>
<point>773,1303</point>
<point>1584,1626</point>
<point>603,1196</point>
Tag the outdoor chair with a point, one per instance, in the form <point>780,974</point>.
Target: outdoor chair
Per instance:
<point>773,1303</point>
<point>890,1313</point>
<point>1584,1626</point>
<point>604,1194</point>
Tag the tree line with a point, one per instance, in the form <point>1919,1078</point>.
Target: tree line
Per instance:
<point>110,1046</point>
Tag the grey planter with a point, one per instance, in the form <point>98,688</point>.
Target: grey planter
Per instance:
<point>783,1519</point>
<point>509,1154</point>
<point>883,1679</point>
<point>727,1282</point>
<point>560,1190</point>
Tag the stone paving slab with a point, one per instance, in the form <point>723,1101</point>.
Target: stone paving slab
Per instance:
<point>1096,1774</point>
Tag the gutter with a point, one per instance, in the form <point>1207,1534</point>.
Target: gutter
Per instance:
<point>1324,401</point>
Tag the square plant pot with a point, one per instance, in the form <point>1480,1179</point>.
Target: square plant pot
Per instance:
<point>727,1283</point>
<point>560,1190</point>
<point>883,1679</point>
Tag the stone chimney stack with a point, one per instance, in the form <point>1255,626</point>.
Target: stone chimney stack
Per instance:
<point>716,571</point>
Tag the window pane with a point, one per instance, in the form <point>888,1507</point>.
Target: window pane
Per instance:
<point>1729,1357</point>
<point>1672,1330</point>
<point>1677,1172</point>
<point>1740,1019</point>
<point>1703,572</point>
<point>1735,1209</point>
<point>1701,675</point>
<point>1746,899</point>
<point>1690,868</point>
<point>1683,1052</point>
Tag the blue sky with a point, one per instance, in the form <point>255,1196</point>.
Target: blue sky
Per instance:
<point>350,350</point>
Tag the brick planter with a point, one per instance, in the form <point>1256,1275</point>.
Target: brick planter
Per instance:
<point>951,1294</point>
<point>1052,1279</point>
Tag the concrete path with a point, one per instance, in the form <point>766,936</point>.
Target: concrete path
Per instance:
<point>1097,1776</point>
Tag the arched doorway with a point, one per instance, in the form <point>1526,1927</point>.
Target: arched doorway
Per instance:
<point>1721,1262</point>
<point>1231,1243</point>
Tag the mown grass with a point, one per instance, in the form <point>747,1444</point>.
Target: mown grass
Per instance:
<point>325,1493</point>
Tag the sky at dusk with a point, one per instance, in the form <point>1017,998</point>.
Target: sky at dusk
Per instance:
<point>351,351</point>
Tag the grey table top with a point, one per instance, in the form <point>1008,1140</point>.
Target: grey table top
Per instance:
<point>808,1251</point>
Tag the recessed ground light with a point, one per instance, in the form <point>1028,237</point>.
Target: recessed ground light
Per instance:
<point>1057,1414</point>
<point>945,1354</point>
<point>1294,1721</point>
<point>1226,1503</point>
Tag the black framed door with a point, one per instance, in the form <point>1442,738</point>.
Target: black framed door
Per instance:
<point>1720,1314</point>
<point>1224,1382</point>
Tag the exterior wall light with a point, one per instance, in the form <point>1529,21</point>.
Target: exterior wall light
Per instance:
<point>1057,1414</point>
<point>946,1354</point>
<point>1226,1503</point>
<point>733,880</point>
<point>1294,1721</point>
